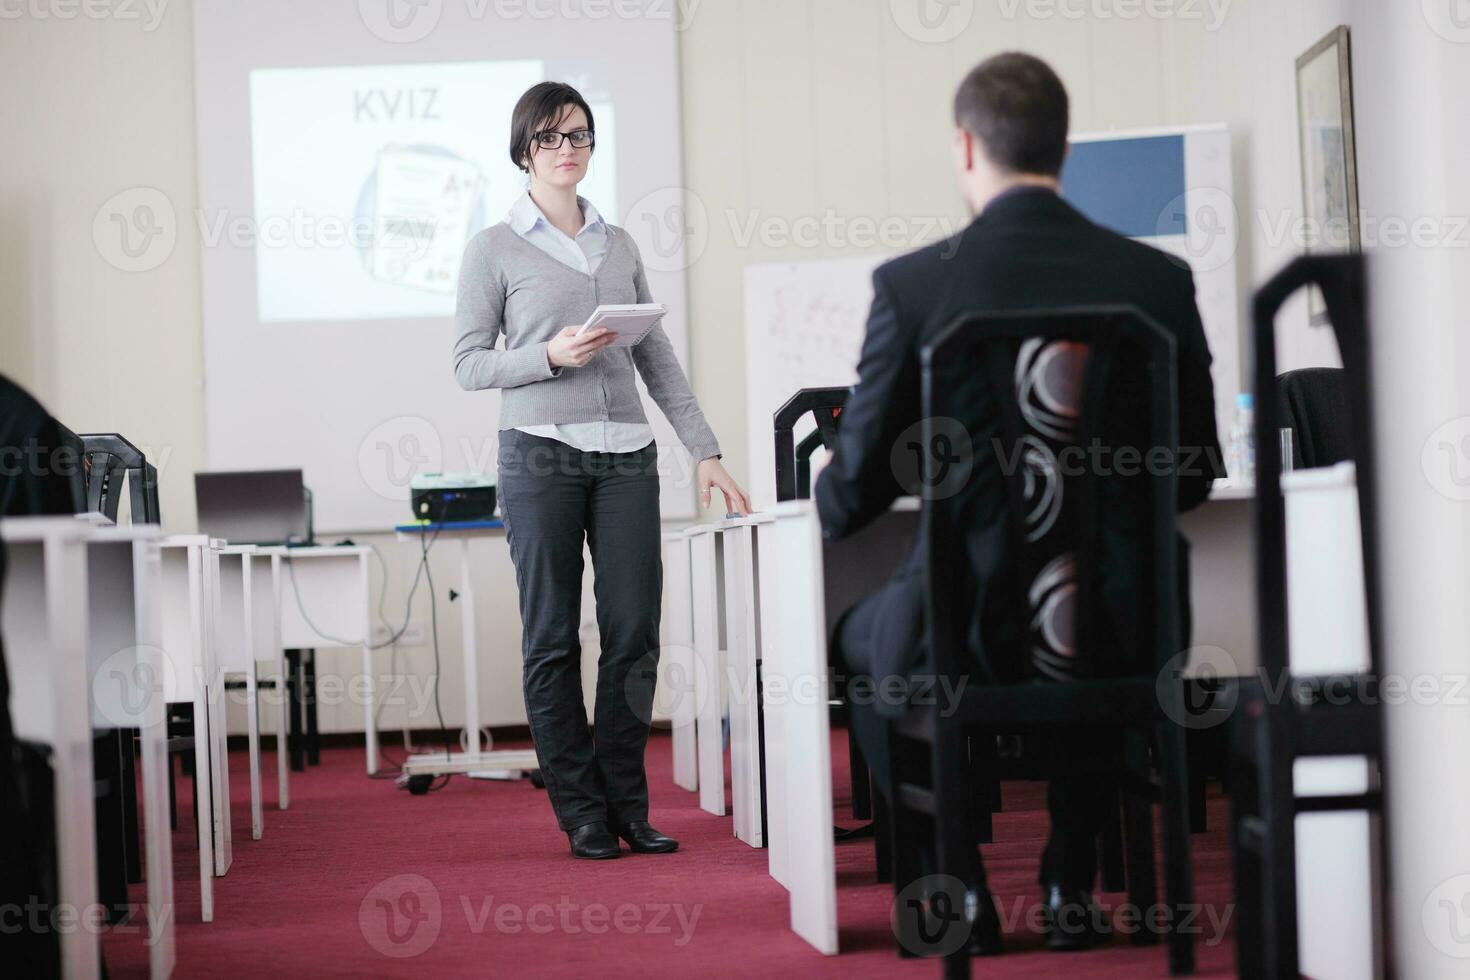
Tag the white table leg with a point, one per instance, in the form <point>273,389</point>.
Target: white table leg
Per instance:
<point>252,708</point>
<point>159,853</point>
<point>369,684</point>
<point>219,772</point>
<point>283,767</point>
<point>776,697</point>
<point>220,780</point>
<point>812,870</point>
<point>283,764</point>
<point>740,643</point>
<point>707,674</point>
<point>64,634</point>
<point>204,803</point>
<point>678,649</point>
<point>153,736</point>
<point>471,655</point>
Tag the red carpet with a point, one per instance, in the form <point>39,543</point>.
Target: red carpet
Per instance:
<point>479,883</point>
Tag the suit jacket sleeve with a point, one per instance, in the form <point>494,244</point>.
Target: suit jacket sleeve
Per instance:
<point>1199,442</point>
<point>859,483</point>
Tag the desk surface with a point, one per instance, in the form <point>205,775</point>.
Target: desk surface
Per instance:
<point>448,527</point>
<point>316,550</point>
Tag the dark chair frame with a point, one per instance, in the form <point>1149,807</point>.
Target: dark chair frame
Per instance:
<point>112,457</point>
<point>794,482</point>
<point>1270,733</point>
<point>825,406</point>
<point>1142,704</point>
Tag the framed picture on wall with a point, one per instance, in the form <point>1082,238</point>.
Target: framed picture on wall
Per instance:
<point>1324,102</point>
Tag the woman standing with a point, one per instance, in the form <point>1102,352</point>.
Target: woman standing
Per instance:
<point>577,461</point>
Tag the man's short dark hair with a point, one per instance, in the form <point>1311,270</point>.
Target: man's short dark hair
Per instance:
<point>542,102</point>
<point>1017,107</point>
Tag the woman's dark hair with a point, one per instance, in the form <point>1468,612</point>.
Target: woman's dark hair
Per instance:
<point>1017,107</point>
<point>543,102</point>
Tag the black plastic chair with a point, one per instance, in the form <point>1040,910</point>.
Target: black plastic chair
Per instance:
<point>1270,733</point>
<point>113,463</point>
<point>793,465</point>
<point>793,477</point>
<point>1313,403</point>
<point>110,458</point>
<point>971,371</point>
<point>794,482</point>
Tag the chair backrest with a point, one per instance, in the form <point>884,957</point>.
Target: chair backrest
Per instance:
<point>793,463</point>
<point>1342,281</point>
<point>1053,404</point>
<point>110,458</point>
<point>75,451</point>
<point>1314,405</point>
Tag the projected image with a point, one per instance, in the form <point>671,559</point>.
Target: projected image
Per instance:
<point>421,203</point>
<point>369,180</point>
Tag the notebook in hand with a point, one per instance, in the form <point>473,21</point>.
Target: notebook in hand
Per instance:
<point>631,322</point>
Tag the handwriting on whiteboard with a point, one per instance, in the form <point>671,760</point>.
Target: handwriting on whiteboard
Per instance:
<point>804,327</point>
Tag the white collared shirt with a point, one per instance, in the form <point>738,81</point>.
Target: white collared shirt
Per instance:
<point>583,253</point>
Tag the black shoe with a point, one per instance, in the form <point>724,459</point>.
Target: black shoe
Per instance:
<point>985,924</point>
<point>1071,920</point>
<point>594,842</point>
<point>643,839</point>
<point>983,939</point>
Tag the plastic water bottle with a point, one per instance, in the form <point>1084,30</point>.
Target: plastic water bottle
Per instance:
<point>1241,464</point>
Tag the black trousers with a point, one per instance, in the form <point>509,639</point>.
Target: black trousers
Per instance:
<point>554,498</point>
<point>1076,801</point>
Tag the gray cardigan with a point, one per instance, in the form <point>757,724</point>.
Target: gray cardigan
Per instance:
<point>509,286</point>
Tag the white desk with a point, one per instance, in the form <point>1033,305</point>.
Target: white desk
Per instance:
<point>325,602</point>
<point>238,648</point>
<point>124,569</point>
<point>80,621</point>
<point>799,809</point>
<point>743,539</point>
<point>46,647</point>
<point>706,569</point>
<point>1336,870</point>
<point>476,756</point>
<point>676,661</point>
<point>265,599</point>
<point>1335,865</point>
<point>189,600</point>
<point>1222,576</point>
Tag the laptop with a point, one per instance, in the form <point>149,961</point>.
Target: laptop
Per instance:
<point>264,507</point>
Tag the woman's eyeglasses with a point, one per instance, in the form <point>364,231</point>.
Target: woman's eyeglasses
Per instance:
<point>550,139</point>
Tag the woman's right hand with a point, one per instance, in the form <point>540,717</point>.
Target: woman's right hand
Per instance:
<point>567,349</point>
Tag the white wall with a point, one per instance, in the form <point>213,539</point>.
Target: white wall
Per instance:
<point>1412,145</point>
<point>95,107</point>
<point>820,109</point>
<point>804,110</point>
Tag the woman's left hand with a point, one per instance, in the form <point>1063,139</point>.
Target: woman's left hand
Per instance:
<point>712,473</point>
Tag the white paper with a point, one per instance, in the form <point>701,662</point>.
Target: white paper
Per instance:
<point>424,206</point>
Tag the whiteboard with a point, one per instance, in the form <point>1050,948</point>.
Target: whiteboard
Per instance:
<point>804,326</point>
<point>1170,188</point>
<point>309,116</point>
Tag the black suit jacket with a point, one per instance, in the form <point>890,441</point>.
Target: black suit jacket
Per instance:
<point>1029,249</point>
<point>36,477</point>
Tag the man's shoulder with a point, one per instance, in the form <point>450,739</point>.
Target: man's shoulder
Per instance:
<point>19,407</point>
<point>920,266</point>
<point>1147,256</point>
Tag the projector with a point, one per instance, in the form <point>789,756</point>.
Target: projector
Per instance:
<point>440,497</point>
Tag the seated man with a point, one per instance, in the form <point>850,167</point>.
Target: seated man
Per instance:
<point>39,474</point>
<point>1025,249</point>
